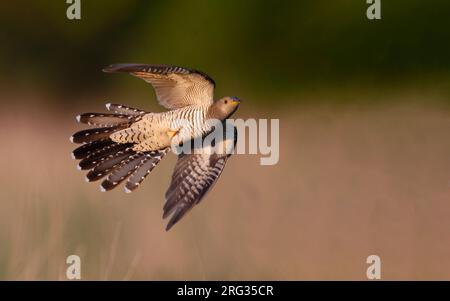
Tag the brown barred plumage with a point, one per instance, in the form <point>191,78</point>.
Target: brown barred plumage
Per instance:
<point>105,120</point>
<point>122,109</point>
<point>175,87</point>
<point>95,134</point>
<point>87,149</point>
<point>101,154</point>
<point>110,164</point>
<point>146,165</point>
<point>121,173</point>
<point>193,176</point>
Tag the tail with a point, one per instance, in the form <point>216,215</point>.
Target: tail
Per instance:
<point>104,158</point>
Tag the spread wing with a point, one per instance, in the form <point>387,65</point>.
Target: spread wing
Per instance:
<point>175,87</point>
<point>193,176</point>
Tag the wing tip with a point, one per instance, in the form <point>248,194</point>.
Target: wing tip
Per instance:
<point>120,68</point>
<point>169,211</point>
<point>176,217</point>
<point>109,69</point>
<point>169,226</point>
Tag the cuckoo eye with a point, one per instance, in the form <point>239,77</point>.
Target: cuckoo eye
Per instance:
<point>226,101</point>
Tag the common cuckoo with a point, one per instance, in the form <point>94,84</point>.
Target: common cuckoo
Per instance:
<point>125,144</point>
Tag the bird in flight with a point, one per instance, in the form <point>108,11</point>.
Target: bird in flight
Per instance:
<point>125,144</point>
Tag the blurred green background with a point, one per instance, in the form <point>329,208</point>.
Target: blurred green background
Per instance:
<point>364,140</point>
<point>257,50</point>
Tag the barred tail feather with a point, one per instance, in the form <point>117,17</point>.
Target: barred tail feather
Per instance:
<point>101,155</point>
<point>94,134</point>
<point>87,149</point>
<point>104,157</point>
<point>105,120</point>
<point>123,171</point>
<point>149,162</point>
<point>108,165</point>
<point>121,109</point>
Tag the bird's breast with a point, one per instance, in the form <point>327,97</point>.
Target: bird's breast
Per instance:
<point>190,122</point>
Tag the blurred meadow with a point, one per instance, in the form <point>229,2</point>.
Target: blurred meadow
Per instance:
<point>364,110</point>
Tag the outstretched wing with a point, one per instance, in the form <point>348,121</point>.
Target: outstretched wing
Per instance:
<point>175,87</point>
<point>193,176</point>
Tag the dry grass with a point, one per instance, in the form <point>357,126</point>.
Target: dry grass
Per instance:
<point>351,182</point>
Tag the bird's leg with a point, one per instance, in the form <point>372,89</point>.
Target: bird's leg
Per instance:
<point>172,134</point>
